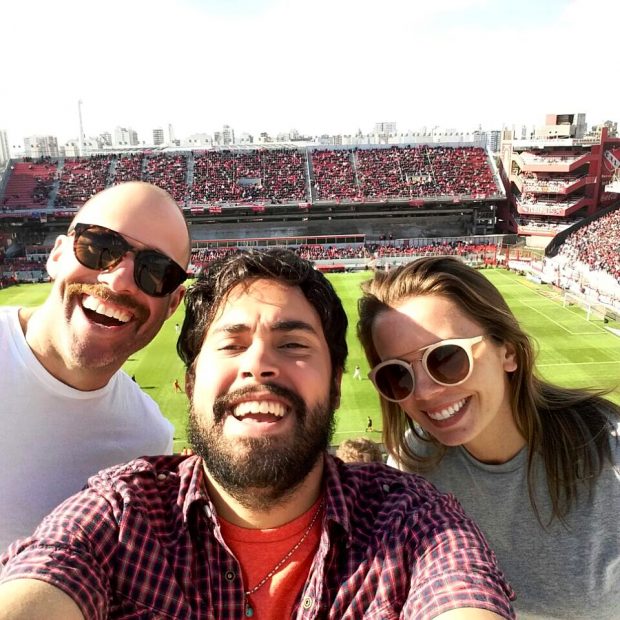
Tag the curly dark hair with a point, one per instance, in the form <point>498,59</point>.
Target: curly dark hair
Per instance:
<point>204,298</point>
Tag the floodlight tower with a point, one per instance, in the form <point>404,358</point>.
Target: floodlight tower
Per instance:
<point>81,138</point>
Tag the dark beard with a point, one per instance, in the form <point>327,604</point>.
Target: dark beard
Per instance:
<point>259,472</point>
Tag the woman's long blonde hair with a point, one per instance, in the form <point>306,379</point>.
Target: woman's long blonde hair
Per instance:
<point>569,428</point>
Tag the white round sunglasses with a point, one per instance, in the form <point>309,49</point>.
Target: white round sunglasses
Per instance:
<point>447,362</point>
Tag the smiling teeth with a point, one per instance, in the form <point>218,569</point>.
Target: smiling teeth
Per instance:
<point>259,406</point>
<point>448,412</point>
<point>96,305</point>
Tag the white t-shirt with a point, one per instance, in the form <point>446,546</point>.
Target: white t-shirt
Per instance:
<point>53,437</point>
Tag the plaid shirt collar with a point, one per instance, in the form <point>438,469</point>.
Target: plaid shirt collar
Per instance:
<point>193,495</point>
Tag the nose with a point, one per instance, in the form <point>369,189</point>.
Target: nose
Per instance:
<point>258,362</point>
<point>424,385</point>
<point>120,278</point>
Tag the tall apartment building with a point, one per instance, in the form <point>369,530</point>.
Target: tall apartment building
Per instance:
<point>158,136</point>
<point>385,128</point>
<point>228,135</point>
<point>125,137</point>
<point>41,146</point>
<point>5,153</point>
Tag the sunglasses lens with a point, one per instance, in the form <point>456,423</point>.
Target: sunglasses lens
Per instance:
<point>156,274</point>
<point>394,381</point>
<point>448,364</point>
<point>99,249</point>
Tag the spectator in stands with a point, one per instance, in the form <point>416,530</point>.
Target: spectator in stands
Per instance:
<point>68,409</point>
<point>261,521</point>
<point>359,450</point>
<point>596,244</point>
<point>535,464</point>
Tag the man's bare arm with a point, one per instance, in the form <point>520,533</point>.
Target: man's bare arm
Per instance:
<point>31,599</point>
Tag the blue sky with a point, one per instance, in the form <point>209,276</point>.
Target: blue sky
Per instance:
<point>332,66</point>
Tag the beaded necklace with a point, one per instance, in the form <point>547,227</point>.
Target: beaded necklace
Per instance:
<point>249,610</point>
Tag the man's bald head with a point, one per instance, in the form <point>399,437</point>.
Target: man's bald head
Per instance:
<point>145,213</point>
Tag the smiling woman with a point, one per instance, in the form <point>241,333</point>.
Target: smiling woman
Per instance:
<point>531,462</point>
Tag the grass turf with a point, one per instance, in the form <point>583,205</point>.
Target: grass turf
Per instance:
<point>572,351</point>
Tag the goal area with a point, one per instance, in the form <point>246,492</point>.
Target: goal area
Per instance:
<point>595,311</point>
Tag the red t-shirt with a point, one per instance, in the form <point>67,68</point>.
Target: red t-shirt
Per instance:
<point>258,551</point>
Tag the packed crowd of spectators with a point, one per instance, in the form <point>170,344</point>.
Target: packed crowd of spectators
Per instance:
<point>402,172</point>
<point>168,171</point>
<point>394,172</point>
<point>265,176</point>
<point>461,170</point>
<point>596,245</point>
<point>23,264</point>
<point>438,248</point>
<point>274,175</point>
<point>128,168</point>
<point>366,252</point>
<point>331,252</point>
<point>203,256</point>
<point>334,175</point>
<point>81,178</point>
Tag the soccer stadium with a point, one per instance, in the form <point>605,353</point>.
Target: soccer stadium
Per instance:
<point>310,310</point>
<point>541,219</point>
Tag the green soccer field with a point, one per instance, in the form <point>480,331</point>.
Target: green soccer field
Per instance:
<point>573,351</point>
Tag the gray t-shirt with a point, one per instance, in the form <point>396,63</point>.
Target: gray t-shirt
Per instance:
<point>569,570</point>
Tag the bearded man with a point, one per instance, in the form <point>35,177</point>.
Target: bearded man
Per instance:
<point>261,521</point>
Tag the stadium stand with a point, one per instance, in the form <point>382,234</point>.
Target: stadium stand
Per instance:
<point>266,176</point>
<point>82,178</point>
<point>364,255</point>
<point>30,184</point>
<point>334,176</point>
<point>596,245</point>
<point>128,168</point>
<point>168,172</point>
<point>274,175</point>
<point>423,171</point>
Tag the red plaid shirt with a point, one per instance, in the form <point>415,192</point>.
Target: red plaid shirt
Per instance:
<point>143,541</point>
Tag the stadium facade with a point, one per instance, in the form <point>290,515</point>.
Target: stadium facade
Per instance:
<point>414,193</point>
<point>558,176</point>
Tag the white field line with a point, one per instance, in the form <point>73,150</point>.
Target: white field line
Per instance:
<point>599,330</point>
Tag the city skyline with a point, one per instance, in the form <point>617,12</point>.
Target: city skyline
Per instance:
<point>320,67</point>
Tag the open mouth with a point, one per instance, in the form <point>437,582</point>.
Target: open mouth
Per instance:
<point>448,412</point>
<point>101,313</point>
<point>260,411</point>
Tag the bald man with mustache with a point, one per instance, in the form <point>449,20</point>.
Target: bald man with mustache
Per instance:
<point>69,410</point>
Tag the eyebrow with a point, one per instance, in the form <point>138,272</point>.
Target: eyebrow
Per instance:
<point>278,326</point>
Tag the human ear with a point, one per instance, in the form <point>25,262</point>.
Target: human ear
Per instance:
<point>55,255</point>
<point>175,299</point>
<point>509,357</point>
